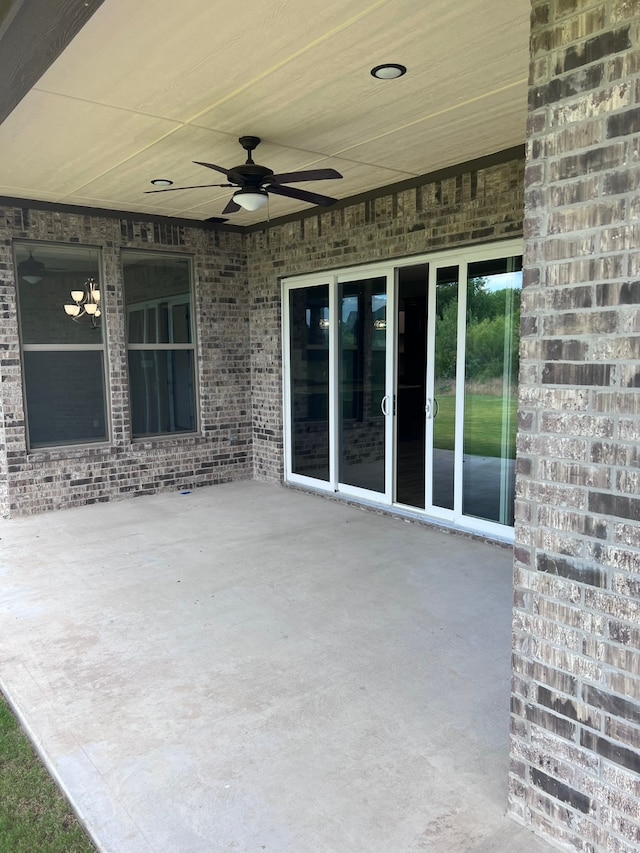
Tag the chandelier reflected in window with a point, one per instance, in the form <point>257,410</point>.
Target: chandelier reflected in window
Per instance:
<point>86,303</point>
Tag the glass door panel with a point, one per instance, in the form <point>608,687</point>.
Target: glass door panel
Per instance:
<point>411,360</point>
<point>491,388</point>
<point>441,407</point>
<point>309,382</point>
<point>362,359</point>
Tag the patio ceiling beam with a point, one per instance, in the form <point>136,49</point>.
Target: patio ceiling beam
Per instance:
<point>33,33</point>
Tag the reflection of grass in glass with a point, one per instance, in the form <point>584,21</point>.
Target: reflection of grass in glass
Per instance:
<point>482,424</point>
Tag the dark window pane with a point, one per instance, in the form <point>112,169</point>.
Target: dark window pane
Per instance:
<point>181,323</point>
<point>411,373</point>
<point>65,397</point>
<point>152,317</point>
<point>162,392</point>
<point>160,287</point>
<point>136,326</point>
<point>163,323</point>
<point>309,331</point>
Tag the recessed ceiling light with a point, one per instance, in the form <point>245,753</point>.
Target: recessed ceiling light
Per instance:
<point>161,182</point>
<point>388,71</point>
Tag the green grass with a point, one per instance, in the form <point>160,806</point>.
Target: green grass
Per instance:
<point>34,816</point>
<point>482,424</point>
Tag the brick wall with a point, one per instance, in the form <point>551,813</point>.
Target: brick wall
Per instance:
<point>238,332</point>
<point>575,772</point>
<point>220,451</point>
<point>462,207</point>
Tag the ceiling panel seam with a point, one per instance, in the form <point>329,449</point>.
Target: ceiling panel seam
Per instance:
<point>443,111</point>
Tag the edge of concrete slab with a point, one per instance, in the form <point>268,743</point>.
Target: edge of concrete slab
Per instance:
<point>55,743</point>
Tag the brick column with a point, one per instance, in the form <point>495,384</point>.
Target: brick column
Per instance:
<point>575,754</point>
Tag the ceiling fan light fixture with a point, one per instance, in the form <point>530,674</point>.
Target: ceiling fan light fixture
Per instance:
<point>251,199</point>
<point>388,71</point>
<point>161,182</point>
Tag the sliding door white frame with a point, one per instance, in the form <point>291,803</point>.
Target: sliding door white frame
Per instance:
<point>389,269</point>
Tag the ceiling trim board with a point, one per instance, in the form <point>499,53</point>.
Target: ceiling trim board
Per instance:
<point>33,39</point>
<point>128,215</point>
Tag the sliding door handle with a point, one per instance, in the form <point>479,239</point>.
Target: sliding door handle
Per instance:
<point>383,405</point>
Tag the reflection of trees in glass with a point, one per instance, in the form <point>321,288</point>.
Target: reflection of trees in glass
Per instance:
<point>446,326</point>
<point>493,321</point>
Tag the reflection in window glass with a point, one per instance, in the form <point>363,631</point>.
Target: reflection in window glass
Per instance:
<point>361,381</point>
<point>161,351</point>
<point>309,345</point>
<point>161,391</point>
<point>444,402</point>
<point>63,355</point>
<point>350,355</point>
<point>491,388</point>
<point>411,384</point>
<point>65,410</point>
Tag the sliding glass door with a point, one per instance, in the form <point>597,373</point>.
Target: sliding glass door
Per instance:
<point>339,366</point>
<point>471,370</point>
<point>401,384</point>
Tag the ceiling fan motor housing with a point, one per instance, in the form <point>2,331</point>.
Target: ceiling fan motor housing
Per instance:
<point>252,174</point>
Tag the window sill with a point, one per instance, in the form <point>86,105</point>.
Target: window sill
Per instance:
<point>98,451</point>
<point>83,451</point>
<point>154,442</point>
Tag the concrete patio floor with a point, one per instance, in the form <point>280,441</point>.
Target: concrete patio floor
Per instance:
<point>249,668</point>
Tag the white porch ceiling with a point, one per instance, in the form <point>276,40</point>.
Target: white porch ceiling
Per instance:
<point>146,88</point>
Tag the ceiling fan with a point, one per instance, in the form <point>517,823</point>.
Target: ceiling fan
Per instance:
<point>255,183</point>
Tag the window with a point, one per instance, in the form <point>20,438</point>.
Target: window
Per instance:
<point>160,343</point>
<point>63,356</point>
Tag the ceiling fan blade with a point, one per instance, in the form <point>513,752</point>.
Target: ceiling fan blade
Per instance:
<point>309,175</point>
<point>196,187</point>
<point>231,207</point>
<point>235,177</point>
<point>301,195</point>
